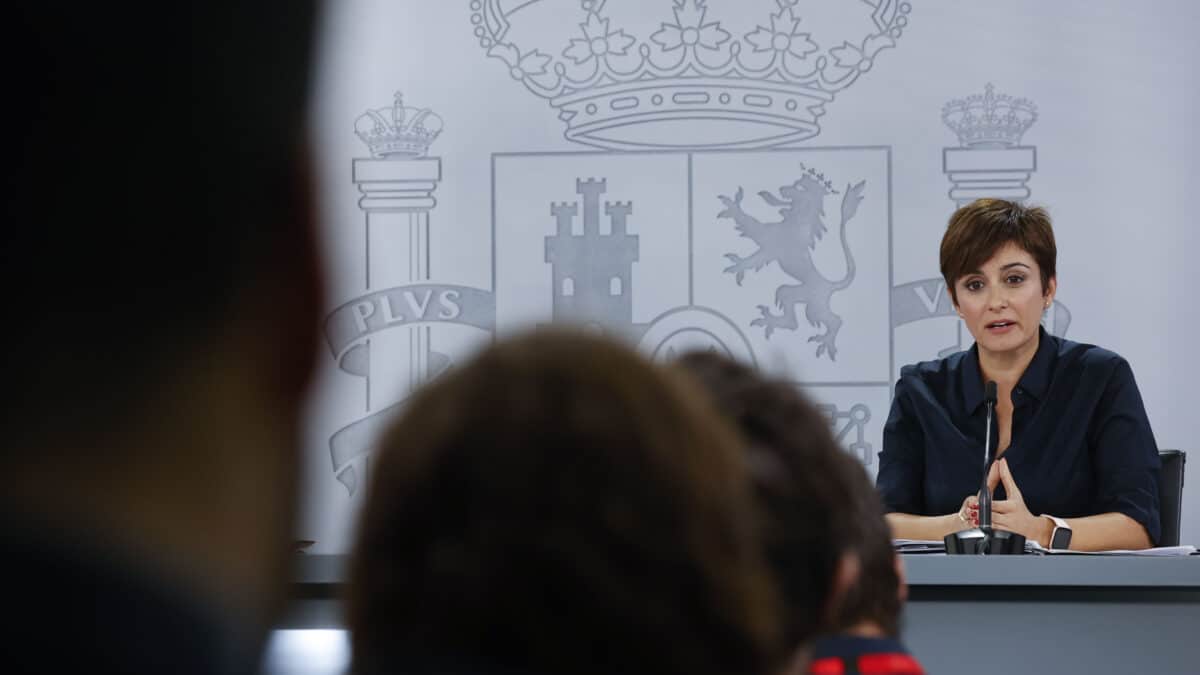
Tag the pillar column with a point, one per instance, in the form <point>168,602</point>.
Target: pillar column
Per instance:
<point>1001,172</point>
<point>397,196</point>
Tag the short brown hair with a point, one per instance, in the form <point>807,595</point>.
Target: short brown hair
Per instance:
<point>979,229</point>
<point>561,505</point>
<point>818,501</point>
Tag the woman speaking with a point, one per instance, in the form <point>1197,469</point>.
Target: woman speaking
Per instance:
<point>1077,463</point>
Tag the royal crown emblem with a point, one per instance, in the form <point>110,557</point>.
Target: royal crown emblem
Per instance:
<point>702,74</point>
<point>398,131</point>
<point>989,119</point>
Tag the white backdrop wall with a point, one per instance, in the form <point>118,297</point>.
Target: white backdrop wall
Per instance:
<point>624,122</point>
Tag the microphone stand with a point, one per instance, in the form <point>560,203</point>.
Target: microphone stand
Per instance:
<point>985,540</point>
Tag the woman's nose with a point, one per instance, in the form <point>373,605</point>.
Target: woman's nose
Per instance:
<point>997,298</point>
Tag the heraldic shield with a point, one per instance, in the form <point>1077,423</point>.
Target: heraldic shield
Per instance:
<point>780,258</point>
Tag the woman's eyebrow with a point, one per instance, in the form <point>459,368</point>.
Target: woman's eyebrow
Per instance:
<point>1014,264</point>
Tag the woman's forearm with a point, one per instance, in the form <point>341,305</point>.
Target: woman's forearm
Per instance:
<point>1106,532</point>
<point>1103,532</point>
<point>908,526</point>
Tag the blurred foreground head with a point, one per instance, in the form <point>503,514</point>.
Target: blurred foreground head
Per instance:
<point>161,290</point>
<point>560,505</point>
<point>826,536</point>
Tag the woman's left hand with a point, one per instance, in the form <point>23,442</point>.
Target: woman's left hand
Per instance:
<point>1011,514</point>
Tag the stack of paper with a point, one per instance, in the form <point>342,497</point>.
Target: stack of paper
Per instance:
<point>1160,552</point>
<point>1032,547</point>
<point>919,546</point>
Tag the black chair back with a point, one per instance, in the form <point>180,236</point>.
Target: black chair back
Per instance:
<point>1170,494</point>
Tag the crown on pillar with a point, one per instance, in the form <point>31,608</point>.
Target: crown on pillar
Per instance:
<point>398,131</point>
<point>990,119</point>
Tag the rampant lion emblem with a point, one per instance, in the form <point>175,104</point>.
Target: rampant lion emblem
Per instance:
<point>790,242</point>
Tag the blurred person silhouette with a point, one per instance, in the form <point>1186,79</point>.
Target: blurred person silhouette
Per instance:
<point>864,632</point>
<point>826,537</point>
<point>560,505</point>
<point>161,296</point>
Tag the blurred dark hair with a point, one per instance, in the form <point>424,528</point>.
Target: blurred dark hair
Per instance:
<point>875,596</point>
<point>155,173</point>
<point>819,501</point>
<point>560,505</point>
<point>979,229</point>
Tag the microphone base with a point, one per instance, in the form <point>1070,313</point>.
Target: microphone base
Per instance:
<point>984,541</point>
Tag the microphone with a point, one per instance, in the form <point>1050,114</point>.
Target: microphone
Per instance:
<point>986,540</point>
<point>985,495</point>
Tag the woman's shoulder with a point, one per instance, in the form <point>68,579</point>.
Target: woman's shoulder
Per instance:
<point>1087,357</point>
<point>934,375</point>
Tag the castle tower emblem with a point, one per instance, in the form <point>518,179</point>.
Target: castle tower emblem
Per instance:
<point>593,268</point>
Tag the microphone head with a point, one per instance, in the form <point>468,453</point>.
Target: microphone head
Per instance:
<point>989,392</point>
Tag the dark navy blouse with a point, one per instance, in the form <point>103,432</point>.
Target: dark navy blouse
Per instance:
<point>1081,444</point>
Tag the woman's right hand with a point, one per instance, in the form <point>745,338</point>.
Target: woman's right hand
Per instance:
<point>968,513</point>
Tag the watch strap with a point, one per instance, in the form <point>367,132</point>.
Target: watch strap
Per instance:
<point>1059,524</point>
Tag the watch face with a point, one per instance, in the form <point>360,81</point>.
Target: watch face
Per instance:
<point>1061,538</point>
